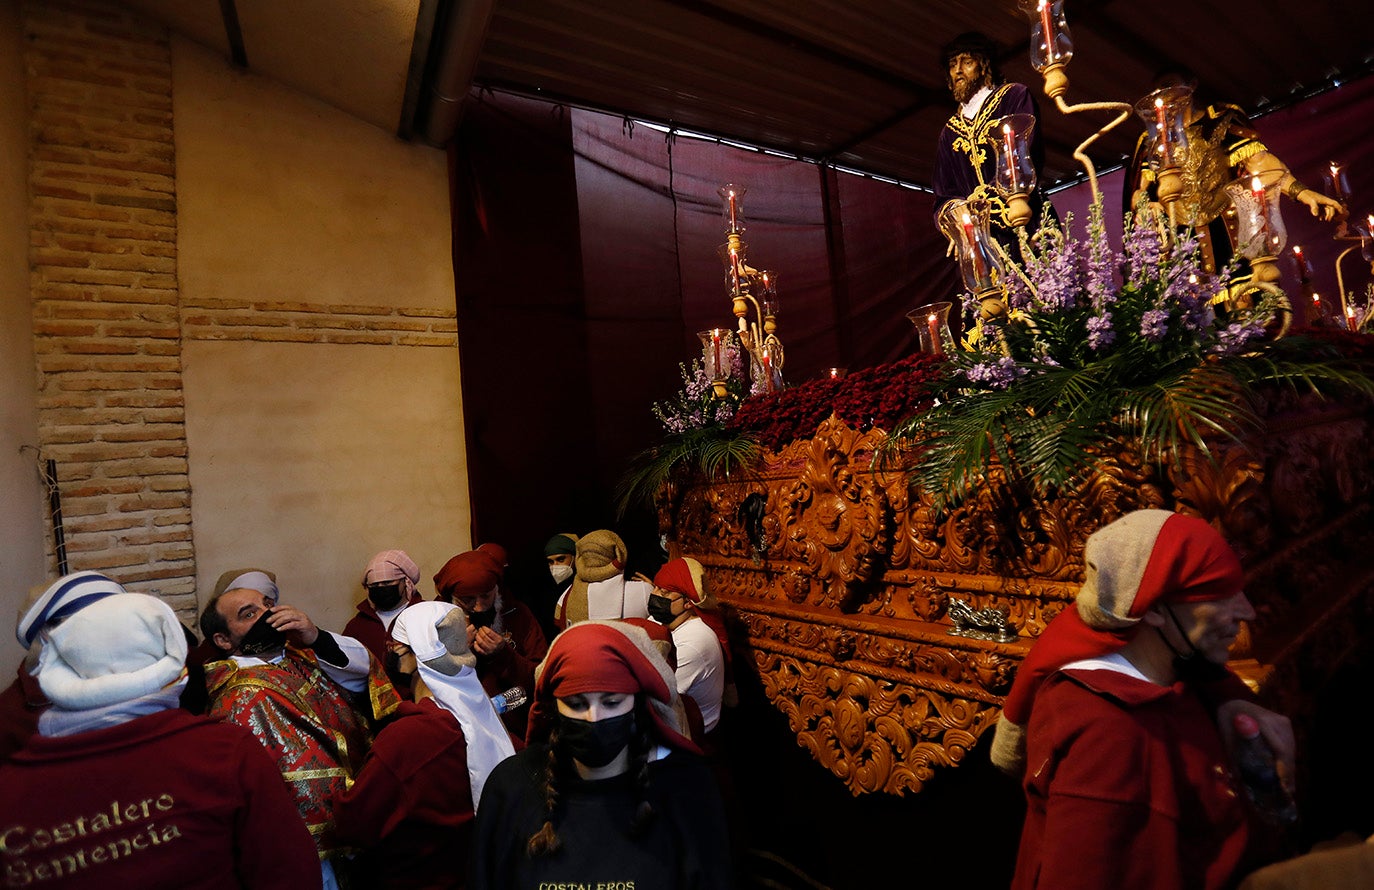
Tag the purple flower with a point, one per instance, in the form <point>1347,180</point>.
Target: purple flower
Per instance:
<point>1100,332</point>
<point>1154,324</point>
<point>1232,338</point>
<point>1102,262</point>
<point>1142,255</point>
<point>997,374</point>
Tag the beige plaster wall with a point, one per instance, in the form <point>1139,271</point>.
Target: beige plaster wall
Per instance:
<point>21,497</point>
<point>280,196</point>
<point>308,457</point>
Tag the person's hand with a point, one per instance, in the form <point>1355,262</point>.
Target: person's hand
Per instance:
<point>487,641</point>
<point>640,576</point>
<point>1321,206</point>
<point>297,626</point>
<point>1275,729</point>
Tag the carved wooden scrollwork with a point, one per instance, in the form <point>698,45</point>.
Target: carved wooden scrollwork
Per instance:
<point>873,734</point>
<point>834,517</point>
<point>845,609</point>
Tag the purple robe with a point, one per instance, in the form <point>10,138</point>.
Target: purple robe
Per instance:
<point>966,159</point>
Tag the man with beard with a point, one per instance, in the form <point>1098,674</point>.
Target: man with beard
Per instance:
<point>306,694</point>
<point>965,160</point>
<point>502,631</point>
<point>1112,722</point>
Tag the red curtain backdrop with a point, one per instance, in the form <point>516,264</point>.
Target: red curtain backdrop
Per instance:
<point>586,259</point>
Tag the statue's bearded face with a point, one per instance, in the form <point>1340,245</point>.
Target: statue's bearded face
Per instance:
<point>967,75</point>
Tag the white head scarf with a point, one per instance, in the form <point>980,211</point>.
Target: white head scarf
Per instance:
<point>460,694</point>
<point>119,658</point>
<point>64,597</point>
<point>253,579</point>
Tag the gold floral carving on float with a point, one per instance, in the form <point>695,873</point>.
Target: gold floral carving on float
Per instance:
<point>834,518</point>
<point>875,735</point>
<point>838,590</point>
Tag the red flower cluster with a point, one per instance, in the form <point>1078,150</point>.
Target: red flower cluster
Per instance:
<point>879,396</point>
<point>1358,347</point>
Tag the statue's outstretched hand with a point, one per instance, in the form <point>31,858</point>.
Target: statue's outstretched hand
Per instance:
<point>1321,206</point>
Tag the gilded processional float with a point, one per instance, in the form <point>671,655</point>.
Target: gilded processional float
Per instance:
<point>888,543</point>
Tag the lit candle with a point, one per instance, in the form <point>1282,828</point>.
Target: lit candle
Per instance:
<point>1162,131</point>
<point>1370,219</point>
<point>1047,25</point>
<point>1011,157</point>
<point>1257,192</point>
<point>1340,188</point>
<point>933,325</point>
<point>834,373</point>
<point>732,210</point>
<point>979,273</point>
<point>1304,267</point>
<point>734,269</point>
<point>1350,318</point>
<point>718,370</point>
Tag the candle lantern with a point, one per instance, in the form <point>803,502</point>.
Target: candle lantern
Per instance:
<point>1051,45</point>
<point>715,356</point>
<point>1304,264</point>
<point>1337,185</point>
<point>766,373</point>
<point>932,327</point>
<point>768,300</point>
<point>965,224</point>
<point>737,272</point>
<point>1015,176</point>
<point>1165,112</point>
<point>1261,234</point>
<point>732,207</point>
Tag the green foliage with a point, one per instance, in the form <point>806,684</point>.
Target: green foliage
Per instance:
<point>710,451</point>
<point>1102,347</point>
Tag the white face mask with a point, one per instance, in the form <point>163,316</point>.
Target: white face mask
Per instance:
<point>561,573</point>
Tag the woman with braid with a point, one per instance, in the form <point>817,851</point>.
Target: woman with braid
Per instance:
<point>610,791</point>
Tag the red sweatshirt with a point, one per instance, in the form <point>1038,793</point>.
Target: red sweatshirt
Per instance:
<point>410,809</point>
<point>169,800</point>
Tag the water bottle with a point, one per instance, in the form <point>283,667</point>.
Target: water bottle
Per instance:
<point>509,700</point>
<point>1255,764</point>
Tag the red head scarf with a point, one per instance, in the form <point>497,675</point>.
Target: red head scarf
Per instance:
<point>1144,558</point>
<point>604,656</point>
<point>467,574</point>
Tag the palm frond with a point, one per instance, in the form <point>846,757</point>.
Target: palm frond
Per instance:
<point>710,451</point>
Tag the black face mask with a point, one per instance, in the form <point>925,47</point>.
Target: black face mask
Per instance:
<point>595,743</point>
<point>385,597</point>
<point>661,609</point>
<point>262,637</point>
<point>482,619</point>
<point>1191,667</point>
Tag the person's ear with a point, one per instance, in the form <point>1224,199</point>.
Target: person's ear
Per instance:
<point>223,643</point>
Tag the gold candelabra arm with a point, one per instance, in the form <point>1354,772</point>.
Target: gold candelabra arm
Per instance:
<point>774,346</point>
<point>1340,284</point>
<point>1079,153</point>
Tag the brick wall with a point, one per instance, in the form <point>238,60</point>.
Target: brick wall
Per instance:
<point>103,260</point>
